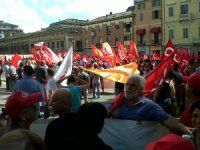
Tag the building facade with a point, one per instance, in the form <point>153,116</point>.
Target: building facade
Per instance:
<point>147,27</point>
<point>111,28</point>
<point>181,23</point>
<point>4,27</point>
<point>58,36</point>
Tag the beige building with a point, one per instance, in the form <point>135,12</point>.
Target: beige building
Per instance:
<point>110,28</point>
<point>181,24</point>
<point>58,36</point>
<point>147,27</point>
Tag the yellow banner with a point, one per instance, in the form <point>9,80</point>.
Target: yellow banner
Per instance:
<point>117,74</point>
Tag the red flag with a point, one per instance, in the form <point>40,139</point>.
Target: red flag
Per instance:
<point>121,51</point>
<point>96,52</point>
<point>41,52</point>
<point>76,55</point>
<point>109,54</point>
<point>170,50</point>
<point>159,74</point>
<point>133,49</point>
<point>156,77</point>
<point>15,60</point>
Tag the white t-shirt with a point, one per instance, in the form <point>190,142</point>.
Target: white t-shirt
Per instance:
<point>51,84</point>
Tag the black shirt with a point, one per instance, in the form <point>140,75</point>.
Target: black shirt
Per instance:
<point>60,132</point>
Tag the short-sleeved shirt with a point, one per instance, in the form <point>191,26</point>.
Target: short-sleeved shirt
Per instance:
<point>51,84</point>
<point>29,85</point>
<point>145,110</point>
<point>76,97</point>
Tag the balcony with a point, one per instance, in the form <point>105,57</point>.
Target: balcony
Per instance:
<point>183,17</point>
<point>196,40</point>
<point>140,43</point>
<point>155,42</point>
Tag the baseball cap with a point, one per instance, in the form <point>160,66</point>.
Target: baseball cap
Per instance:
<point>170,142</point>
<point>18,101</point>
<point>193,80</point>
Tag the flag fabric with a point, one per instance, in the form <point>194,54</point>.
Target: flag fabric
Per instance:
<point>160,73</point>
<point>133,49</point>
<point>107,50</point>
<point>42,52</point>
<point>117,74</point>
<point>121,51</point>
<point>185,60</point>
<point>109,54</point>
<point>59,54</point>
<point>16,60</point>
<point>76,55</point>
<point>65,68</point>
<point>123,134</point>
<point>96,52</point>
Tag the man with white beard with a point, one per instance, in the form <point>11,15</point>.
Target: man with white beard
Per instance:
<point>133,105</point>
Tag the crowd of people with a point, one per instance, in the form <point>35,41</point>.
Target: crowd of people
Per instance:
<point>78,125</point>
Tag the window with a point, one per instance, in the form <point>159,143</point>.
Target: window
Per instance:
<point>116,40</point>
<point>156,14</point>
<point>108,38</point>
<point>62,44</point>
<point>127,27</point>
<point>100,40</point>
<point>127,37</point>
<point>170,11</point>
<point>87,43</point>
<point>141,5</point>
<point>155,2</point>
<point>57,44</point>
<point>108,29</point>
<point>199,6</point>
<point>185,32</point>
<point>184,9</point>
<point>48,44</point>
<point>156,38</point>
<point>100,28</point>
<point>171,34</point>
<point>141,16</point>
<point>199,31</point>
<point>141,42</point>
<point>52,44</point>
<point>116,26</point>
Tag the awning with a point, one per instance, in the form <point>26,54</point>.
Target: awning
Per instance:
<point>155,30</point>
<point>140,31</point>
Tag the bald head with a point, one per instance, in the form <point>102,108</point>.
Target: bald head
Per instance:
<point>62,101</point>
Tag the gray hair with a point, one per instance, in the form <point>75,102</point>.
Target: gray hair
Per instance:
<point>140,79</point>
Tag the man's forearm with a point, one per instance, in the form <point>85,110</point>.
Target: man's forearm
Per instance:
<point>175,126</point>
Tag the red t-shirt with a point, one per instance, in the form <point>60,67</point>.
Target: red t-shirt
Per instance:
<point>186,117</point>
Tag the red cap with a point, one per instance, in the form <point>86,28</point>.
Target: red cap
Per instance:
<point>170,142</point>
<point>18,101</point>
<point>193,80</point>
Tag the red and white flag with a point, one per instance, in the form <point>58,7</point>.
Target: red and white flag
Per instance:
<point>65,68</point>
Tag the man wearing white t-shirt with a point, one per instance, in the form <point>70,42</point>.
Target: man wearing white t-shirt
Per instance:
<point>50,89</point>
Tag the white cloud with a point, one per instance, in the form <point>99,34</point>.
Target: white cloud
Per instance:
<point>94,7</point>
<point>15,11</point>
<point>32,15</point>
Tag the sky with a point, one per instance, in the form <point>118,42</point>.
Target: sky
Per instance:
<point>32,15</point>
